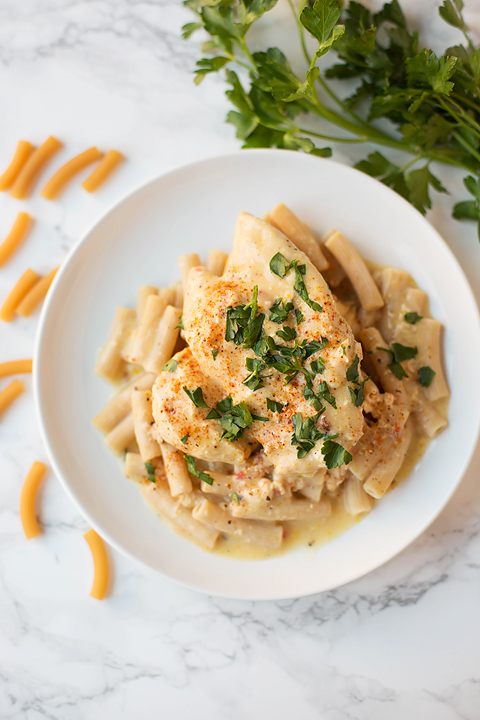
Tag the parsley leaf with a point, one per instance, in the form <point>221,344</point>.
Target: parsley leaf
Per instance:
<point>235,497</point>
<point>170,366</point>
<point>192,469</point>
<point>358,394</point>
<point>254,381</point>
<point>399,353</point>
<point>305,434</point>
<point>196,396</point>
<point>318,366</point>
<point>214,353</point>
<point>299,316</point>
<point>243,324</point>
<point>180,323</point>
<point>236,420</point>
<point>280,266</point>
<point>287,333</point>
<point>151,472</point>
<point>280,311</point>
<point>352,372</point>
<point>184,439</point>
<point>325,394</point>
<point>412,317</point>
<point>425,375</point>
<point>274,406</point>
<point>334,454</point>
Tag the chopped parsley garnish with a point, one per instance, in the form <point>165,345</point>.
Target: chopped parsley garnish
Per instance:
<point>184,439</point>
<point>280,266</point>
<point>180,323</point>
<point>151,472</point>
<point>197,473</point>
<point>412,317</point>
<point>399,353</point>
<point>287,333</point>
<point>274,406</point>
<point>325,394</point>
<point>358,394</point>
<point>235,497</point>
<point>352,372</point>
<point>425,375</point>
<point>234,419</point>
<point>196,396</point>
<point>254,381</point>
<point>309,394</point>
<point>170,366</point>
<point>243,325</point>
<point>305,434</point>
<point>334,454</point>
<point>280,311</point>
<point>214,353</point>
<point>299,316</point>
<point>318,366</point>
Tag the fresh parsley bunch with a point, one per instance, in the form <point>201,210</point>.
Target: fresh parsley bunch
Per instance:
<point>432,102</point>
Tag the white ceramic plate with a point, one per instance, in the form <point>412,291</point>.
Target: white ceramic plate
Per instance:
<point>137,242</point>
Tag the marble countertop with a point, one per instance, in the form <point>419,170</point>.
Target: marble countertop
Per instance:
<point>403,642</point>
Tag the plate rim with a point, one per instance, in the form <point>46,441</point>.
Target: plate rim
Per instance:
<point>37,365</point>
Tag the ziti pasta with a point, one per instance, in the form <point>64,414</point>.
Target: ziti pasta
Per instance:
<point>257,406</point>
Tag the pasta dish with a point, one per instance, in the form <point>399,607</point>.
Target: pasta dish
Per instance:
<point>274,389</point>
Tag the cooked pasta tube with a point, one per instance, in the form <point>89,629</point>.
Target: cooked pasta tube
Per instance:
<point>22,153</point>
<point>32,168</point>
<point>10,393</point>
<point>429,334</point>
<point>28,498</point>
<point>142,423</point>
<point>430,419</point>
<point>134,468</point>
<point>110,362</point>
<point>164,343</point>
<point>186,263</point>
<point>314,485</point>
<point>358,273</point>
<point>58,181</point>
<point>15,367</point>
<point>103,171</point>
<point>16,295</point>
<point>286,509</point>
<point>216,261</point>
<point>122,436</point>
<point>379,359</point>
<point>100,565</point>
<point>159,497</point>
<point>121,403</point>
<point>256,533</point>
<point>300,234</point>
<point>143,293</point>
<point>223,484</point>
<point>388,466</point>
<point>176,470</point>
<point>416,301</point>
<point>355,499</point>
<point>15,237</point>
<point>335,272</point>
<point>35,296</point>
<point>179,294</point>
<point>145,333</point>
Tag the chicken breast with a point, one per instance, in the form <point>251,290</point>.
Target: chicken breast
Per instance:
<point>224,371</point>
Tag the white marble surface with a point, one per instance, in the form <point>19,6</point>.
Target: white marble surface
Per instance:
<point>401,643</point>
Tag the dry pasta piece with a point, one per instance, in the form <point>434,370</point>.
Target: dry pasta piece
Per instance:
<point>358,273</point>
<point>27,500</point>
<point>10,393</point>
<point>15,237</point>
<point>15,367</point>
<point>31,170</point>
<point>35,296</point>
<point>103,171</point>
<point>58,181</point>
<point>22,153</point>
<point>100,564</point>
<point>16,295</point>
<point>282,218</point>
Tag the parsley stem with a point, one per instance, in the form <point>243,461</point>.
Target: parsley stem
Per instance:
<point>464,143</point>
<point>342,104</point>
<point>296,15</point>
